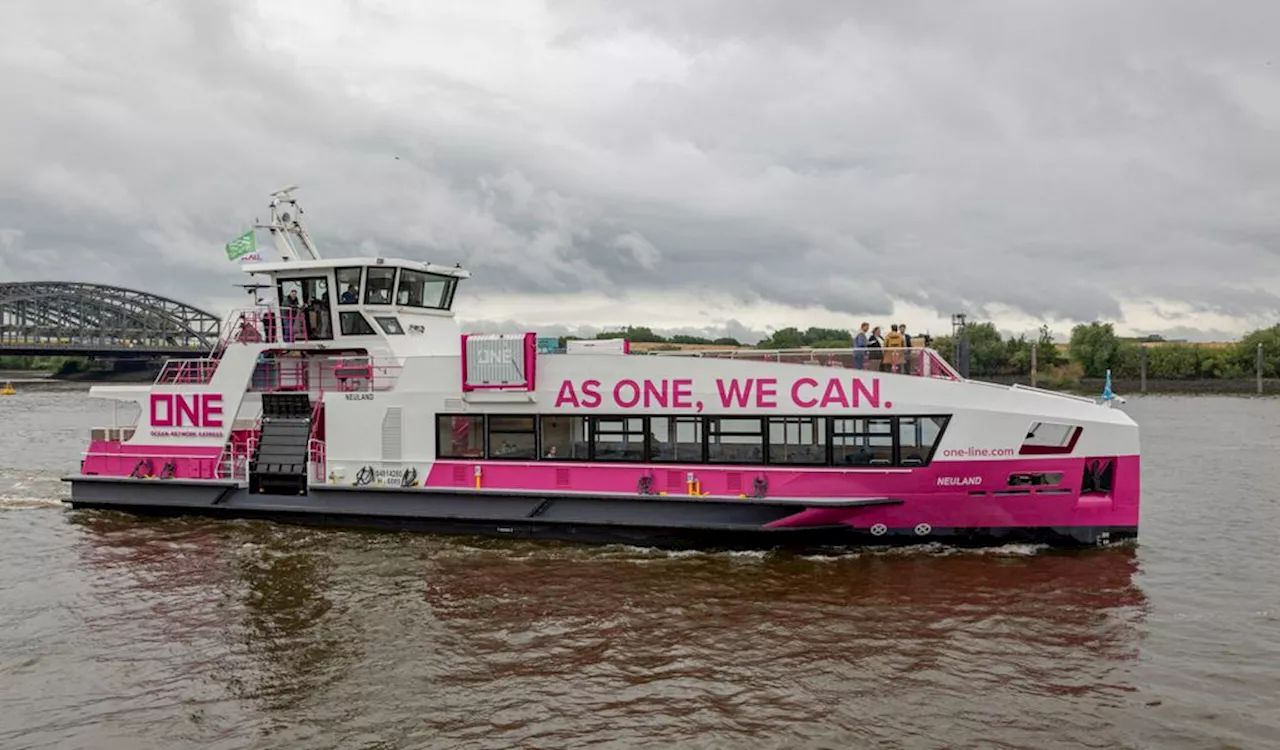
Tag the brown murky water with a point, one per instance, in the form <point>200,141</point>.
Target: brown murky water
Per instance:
<point>117,632</point>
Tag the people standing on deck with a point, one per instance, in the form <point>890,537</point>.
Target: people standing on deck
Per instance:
<point>875,345</point>
<point>906,342</point>
<point>860,347</point>
<point>893,345</point>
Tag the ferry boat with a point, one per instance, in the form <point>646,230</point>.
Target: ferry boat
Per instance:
<point>351,397</point>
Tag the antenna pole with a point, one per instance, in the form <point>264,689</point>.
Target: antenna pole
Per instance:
<point>285,224</point>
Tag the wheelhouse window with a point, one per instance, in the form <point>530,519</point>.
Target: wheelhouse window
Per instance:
<point>460,436</point>
<point>917,438</point>
<point>862,442</point>
<point>512,438</point>
<point>565,438</point>
<point>675,439</point>
<point>418,289</point>
<point>618,438</point>
<point>348,286</point>
<point>390,325</point>
<point>735,440</point>
<point>304,309</point>
<point>379,281</point>
<point>355,324</point>
<point>797,440</point>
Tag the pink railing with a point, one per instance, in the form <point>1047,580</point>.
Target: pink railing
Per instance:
<point>150,465</point>
<point>265,324</point>
<point>316,457</point>
<point>187,371</point>
<point>359,374</point>
<point>916,361</point>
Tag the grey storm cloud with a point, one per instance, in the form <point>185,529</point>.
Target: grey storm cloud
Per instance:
<point>1056,159</point>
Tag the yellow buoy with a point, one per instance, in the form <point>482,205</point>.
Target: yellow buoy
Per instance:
<point>8,390</point>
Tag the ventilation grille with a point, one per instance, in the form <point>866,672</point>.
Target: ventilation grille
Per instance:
<point>391,435</point>
<point>676,480</point>
<point>459,474</point>
<point>734,482</point>
<point>562,477</point>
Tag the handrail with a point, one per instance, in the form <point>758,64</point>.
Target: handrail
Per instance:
<point>913,360</point>
<point>1034,389</point>
<point>187,371</point>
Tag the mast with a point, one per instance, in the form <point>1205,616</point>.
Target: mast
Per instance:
<point>285,224</point>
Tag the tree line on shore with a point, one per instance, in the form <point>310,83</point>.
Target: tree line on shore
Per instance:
<point>1091,350</point>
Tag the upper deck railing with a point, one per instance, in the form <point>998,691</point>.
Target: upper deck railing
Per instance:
<point>187,371</point>
<point>917,361</point>
<point>267,324</point>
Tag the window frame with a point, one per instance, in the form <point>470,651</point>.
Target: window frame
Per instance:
<point>933,449</point>
<point>593,425</point>
<point>440,434</point>
<point>368,288</point>
<point>359,284</point>
<point>702,440</point>
<point>489,432</point>
<point>380,320</point>
<point>820,430</point>
<point>342,326</point>
<point>707,442</point>
<point>446,293</point>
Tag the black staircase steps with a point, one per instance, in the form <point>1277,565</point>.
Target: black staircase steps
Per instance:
<point>279,465</point>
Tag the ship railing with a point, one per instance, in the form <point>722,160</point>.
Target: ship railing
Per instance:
<point>233,463</point>
<point>268,324</point>
<point>316,459</point>
<point>360,374</point>
<point>917,361</point>
<point>151,465</point>
<point>187,371</point>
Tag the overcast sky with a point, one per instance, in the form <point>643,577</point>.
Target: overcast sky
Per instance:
<point>728,165</point>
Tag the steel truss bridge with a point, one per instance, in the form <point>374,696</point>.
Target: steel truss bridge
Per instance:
<point>49,318</point>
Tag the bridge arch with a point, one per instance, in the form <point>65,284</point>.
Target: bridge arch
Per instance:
<point>79,316</point>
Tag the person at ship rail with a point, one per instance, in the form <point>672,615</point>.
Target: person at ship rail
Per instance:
<point>906,342</point>
<point>893,346</point>
<point>860,346</point>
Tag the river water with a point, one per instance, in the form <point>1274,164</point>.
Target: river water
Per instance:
<point>117,632</point>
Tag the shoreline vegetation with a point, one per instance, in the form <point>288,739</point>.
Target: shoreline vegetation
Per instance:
<point>1077,366</point>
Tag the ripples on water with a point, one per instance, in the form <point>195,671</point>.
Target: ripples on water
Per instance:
<point>120,633</point>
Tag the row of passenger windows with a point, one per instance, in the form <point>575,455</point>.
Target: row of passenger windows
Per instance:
<point>381,286</point>
<point>804,441</point>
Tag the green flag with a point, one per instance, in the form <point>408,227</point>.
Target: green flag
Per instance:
<point>242,245</point>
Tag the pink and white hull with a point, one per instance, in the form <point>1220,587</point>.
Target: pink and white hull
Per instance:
<point>351,398</point>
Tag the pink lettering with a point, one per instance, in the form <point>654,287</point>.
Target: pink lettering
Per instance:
<point>682,393</point>
<point>158,400</point>
<point>803,403</point>
<point>872,396</point>
<point>188,410</point>
<point>591,393</point>
<point>767,393</point>
<point>632,399</point>
<point>834,394</point>
<point>737,392</point>
<point>566,395</point>
<point>212,409</point>
<point>655,394</point>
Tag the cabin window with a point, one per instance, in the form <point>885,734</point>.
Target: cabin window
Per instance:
<point>418,289</point>
<point>565,439</point>
<point>512,438</point>
<point>618,438</point>
<point>348,286</point>
<point>917,438</point>
<point>459,436</point>
<point>304,309</point>
<point>675,439</point>
<point>797,440</point>
<point>378,284</point>
<point>1046,438</point>
<point>735,440</point>
<point>355,324</point>
<point>862,442</point>
<point>390,325</point>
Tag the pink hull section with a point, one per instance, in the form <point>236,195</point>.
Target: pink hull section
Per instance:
<point>112,459</point>
<point>944,495</point>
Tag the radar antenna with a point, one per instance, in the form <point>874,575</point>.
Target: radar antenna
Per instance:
<point>285,224</point>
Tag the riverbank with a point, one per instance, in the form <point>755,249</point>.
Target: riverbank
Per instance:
<point>1126,387</point>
